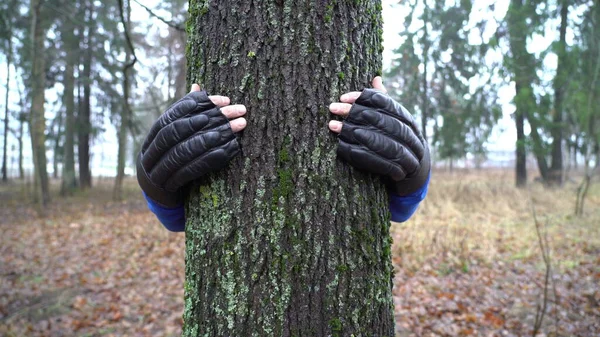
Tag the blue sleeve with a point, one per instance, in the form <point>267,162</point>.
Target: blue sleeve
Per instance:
<point>403,207</point>
<point>172,218</point>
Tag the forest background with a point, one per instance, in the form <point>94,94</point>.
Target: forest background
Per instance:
<point>507,94</point>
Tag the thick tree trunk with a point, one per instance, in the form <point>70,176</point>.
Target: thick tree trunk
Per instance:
<point>5,152</point>
<point>288,241</point>
<point>37,119</point>
<point>85,126</point>
<point>69,181</point>
<point>555,175</point>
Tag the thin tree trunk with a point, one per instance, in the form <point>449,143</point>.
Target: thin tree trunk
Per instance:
<point>55,159</point>
<point>555,175</point>
<point>521,153</point>
<point>538,146</point>
<point>37,119</point>
<point>126,113</point>
<point>20,142</point>
<point>289,241</point>
<point>6,116</point>
<point>85,126</point>
<point>69,181</point>
<point>424,97</point>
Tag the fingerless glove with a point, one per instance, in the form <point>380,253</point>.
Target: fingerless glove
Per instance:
<point>191,139</point>
<point>381,136</point>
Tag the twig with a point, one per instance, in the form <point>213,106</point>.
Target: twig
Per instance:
<point>175,26</point>
<point>127,37</point>
<point>543,243</point>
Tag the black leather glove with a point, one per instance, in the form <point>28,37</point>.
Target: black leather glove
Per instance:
<point>381,136</point>
<point>191,139</point>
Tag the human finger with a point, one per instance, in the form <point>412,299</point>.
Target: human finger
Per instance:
<point>340,109</point>
<point>350,97</point>
<point>369,161</point>
<point>195,87</point>
<point>378,84</point>
<point>238,124</point>
<point>220,100</point>
<point>209,161</point>
<point>234,111</point>
<point>335,126</point>
<point>188,150</point>
<point>382,146</point>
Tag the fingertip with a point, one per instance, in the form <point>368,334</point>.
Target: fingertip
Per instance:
<point>220,100</point>
<point>195,87</point>
<point>335,126</point>
<point>350,97</point>
<point>378,83</point>
<point>238,124</point>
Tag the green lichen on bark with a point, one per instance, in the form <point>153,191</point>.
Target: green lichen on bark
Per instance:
<point>288,240</point>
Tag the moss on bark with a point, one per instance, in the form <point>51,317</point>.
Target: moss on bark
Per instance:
<point>288,241</point>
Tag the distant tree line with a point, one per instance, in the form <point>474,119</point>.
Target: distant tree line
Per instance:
<point>455,56</point>
<point>85,50</point>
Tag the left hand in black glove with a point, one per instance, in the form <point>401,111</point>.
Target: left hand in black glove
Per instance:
<point>381,136</point>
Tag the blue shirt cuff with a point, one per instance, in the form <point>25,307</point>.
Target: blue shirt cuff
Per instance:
<point>172,218</point>
<point>403,207</point>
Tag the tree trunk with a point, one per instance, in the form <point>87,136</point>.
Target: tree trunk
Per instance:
<point>8,64</point>
<point>424,96</point>
<point>59,120</point>
<point>522,68</point>
<point>126,113</point>
<point>85,126</point>
<point>37,119</point>
<point>521,153</point>
<point>69,181</point>
<point>555,175</point>
<point>538,142</point>
<point>288,241</point>
<point>20,141</point>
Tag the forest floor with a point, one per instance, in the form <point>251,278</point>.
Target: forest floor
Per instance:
<point>468,263</point>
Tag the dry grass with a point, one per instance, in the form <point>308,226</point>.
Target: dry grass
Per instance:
<point>478,216</point>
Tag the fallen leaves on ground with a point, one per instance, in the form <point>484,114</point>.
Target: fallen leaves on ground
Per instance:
<point>92,267</point>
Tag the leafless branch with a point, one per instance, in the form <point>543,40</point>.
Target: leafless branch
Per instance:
<point>542,307</point>
<point>171,24</point>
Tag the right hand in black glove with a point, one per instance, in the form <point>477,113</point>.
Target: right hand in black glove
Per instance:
<point>380,136</point>
<point>194,137</point>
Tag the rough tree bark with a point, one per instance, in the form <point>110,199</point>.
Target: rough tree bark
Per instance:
<point>37,120</point>
<point>288,241</point>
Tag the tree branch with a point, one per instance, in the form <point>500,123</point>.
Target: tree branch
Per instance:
<point>127,37</point>
<point>171,24</point>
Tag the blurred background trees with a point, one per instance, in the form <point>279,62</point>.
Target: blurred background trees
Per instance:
<point>517,78</point>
